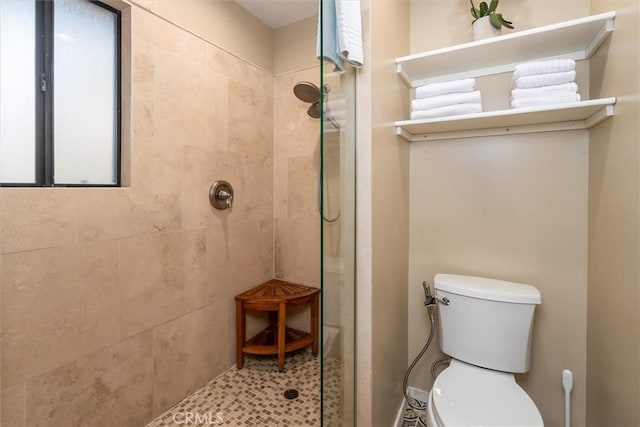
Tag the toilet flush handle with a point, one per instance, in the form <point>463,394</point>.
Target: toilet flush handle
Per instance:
<point>443,300</point>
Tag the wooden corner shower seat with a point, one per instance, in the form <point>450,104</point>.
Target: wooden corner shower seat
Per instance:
<point>275,296</point>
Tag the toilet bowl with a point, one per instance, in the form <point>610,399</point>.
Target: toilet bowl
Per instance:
<point>485,326</point>
<point>467,395</point>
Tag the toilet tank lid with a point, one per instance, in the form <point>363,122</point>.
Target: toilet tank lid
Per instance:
<point>489,289</point>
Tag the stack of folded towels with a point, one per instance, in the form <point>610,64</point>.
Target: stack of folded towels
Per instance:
<point>446,99</point>
<point>544,83</point>
<point>335,112</point>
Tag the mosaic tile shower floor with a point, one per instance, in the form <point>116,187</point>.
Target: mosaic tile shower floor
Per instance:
<point>414,417</point>
<point>254,396</point>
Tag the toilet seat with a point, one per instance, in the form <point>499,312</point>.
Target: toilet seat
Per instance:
<point>466,395</point>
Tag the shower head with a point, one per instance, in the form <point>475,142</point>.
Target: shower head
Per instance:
<point>307,92</point>
<point>314,110</point>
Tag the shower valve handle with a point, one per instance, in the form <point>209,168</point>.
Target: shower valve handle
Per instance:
<point>221,195</point>
<point>226,197</point>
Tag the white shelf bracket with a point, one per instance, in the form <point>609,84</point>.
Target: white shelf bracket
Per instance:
<point>599,116</point>
<point>400,131</point>
<point>599,38</point>
<point>400,70</point>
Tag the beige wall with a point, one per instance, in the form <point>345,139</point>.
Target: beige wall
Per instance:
<point>510,207</point>
<point>613,351</point>
<point>389,38</point>
<point>296,212</point>
<point>436,24</point>
<point>229,26</point>
<point>108,293</point>
<point>223,23</point>
<point>364,291</point>
<point>296,151</point>
<point>294,46</point>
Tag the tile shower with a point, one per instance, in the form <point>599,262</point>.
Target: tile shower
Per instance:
<point>117,303</point>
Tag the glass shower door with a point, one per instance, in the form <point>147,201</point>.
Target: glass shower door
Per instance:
<point>337,196</point>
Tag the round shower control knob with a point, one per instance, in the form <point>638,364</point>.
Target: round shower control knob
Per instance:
<point>221,195</point>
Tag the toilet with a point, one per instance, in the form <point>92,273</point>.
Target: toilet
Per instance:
<point>485,326</point>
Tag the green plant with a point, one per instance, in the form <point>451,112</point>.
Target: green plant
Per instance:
<point>495,18</point>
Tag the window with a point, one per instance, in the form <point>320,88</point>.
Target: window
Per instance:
<point>59,93</point>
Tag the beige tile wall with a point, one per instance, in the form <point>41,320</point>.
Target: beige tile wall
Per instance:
<point>118,302</point>
<point>295,163</point>
<point>222,22</point>
<point>296,151</point>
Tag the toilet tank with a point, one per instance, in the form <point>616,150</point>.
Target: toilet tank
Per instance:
<point>487,322</point>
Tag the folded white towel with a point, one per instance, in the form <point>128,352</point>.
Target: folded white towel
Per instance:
<point>548,79</point>
<point>448,110</point>
<point>447,99</point>
<point>332,122</point>
<point>435,89</point>
<point>327,39</point>
<point>336,104</point>
<point>542,67</point>
<point>349,26</point>
<point>337,114</point>
<point>544,91</point>
<point>566,98</point>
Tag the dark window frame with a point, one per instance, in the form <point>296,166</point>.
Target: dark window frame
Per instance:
<point>44,57</point>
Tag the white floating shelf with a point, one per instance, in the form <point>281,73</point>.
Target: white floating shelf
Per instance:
<point>577,115</point>
<point>577,39</point>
